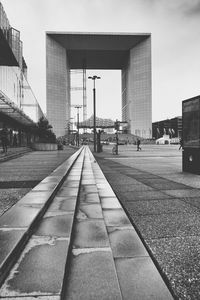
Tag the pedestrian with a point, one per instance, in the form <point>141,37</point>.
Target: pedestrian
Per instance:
<point>4,139</point>
<point>181,144</point>
<point>15,140</point>
<point>138,145</point>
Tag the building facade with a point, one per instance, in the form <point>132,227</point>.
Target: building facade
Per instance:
<point>19,109</point>
<point>130,53</point>
<point>171,127</point>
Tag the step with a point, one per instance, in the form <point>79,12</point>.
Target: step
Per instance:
<point>18,223</point>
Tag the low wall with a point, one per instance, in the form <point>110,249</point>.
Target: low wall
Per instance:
<point>45,146</point>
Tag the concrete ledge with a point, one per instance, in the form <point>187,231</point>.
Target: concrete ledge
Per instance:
<point>45,146</point>
<point>18,223</point>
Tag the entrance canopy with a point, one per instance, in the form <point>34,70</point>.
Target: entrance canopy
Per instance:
<point>10,109</point>
<point>97,50</point>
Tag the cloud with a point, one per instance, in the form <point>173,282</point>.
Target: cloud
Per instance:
<point>188,8</point>
<point>192,8</point>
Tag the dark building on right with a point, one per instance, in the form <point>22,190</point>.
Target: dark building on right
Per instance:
<point>191,135</point>
<point>171,127</point>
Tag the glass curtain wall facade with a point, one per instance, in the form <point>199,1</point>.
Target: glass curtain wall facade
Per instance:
<point>13,79</point>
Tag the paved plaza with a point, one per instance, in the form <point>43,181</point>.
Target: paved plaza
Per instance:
<point>21,173</point>
<point>163,204</point>
<point>161,201</point>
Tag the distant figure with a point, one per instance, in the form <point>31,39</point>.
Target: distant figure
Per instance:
<point>138,145</point>
<point>15,140</point>
<point>4,139</point>
<point>181,144</point>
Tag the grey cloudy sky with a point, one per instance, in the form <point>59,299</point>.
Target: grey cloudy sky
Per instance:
<point>175,29</point>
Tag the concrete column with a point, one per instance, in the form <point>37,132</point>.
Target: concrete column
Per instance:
<point>137,88</point>
<point>58,86</point>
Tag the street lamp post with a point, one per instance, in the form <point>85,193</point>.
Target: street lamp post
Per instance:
<point>78,106</point>
<point>94,107</point>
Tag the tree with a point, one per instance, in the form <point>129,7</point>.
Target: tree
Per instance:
<point>44,131</point>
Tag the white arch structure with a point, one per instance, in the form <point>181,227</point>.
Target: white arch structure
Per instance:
<point>129,52</point>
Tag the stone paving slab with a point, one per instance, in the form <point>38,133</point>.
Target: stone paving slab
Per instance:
<point>144,281</point>
<point>144,195</point>
<point>125,242</point>
<point>174,225</point>
<point>48,255</point>
<point>156,207</point>
<point>92,276</point>
<point>9,238</point>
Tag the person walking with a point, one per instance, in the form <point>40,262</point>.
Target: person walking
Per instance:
<point>138,145</point>
<point>4,139</point>
<point>181,144</point>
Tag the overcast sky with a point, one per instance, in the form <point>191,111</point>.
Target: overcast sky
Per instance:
<point>175,29</point>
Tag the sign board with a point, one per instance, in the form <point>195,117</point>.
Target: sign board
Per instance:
<point>191,122</point>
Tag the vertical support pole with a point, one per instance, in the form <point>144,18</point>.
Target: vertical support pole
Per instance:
<point>78,127</point>
<point>94,105</point>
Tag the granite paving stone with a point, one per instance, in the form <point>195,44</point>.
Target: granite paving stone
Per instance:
<point>144,280</point>
<point>89,198</point>
<point>125,242</point>
<point>35,197</point>
<point>134,187</point>
<point>87,181</point>
<point>162,183</point>
<point>45,297</point>
<point>9,197</point>
<point>88,188</point>
<point>45,186</point>
<point>8,239</point>
<point>155,207</point>
<point>116,217</point>
<point>56,225</point>
<point>71,183</point>
<point>142,195</point>
<point>89,211</point>
<point>18,216</point>
<point>90,234</point>
<point>34,166</point>
<point>45,257</point>
<point>110,203</point>
<point>92,276</point>
<point>64,203</point>
<point>51,178</point>
<point>183,193</point>
<point>193,201</point>
<point>70,192</point>
<point>184,274</point>
<point>152,226</point>
<point>106,193</point>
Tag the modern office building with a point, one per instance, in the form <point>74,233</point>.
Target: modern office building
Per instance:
<point>171,127</point>
<point>19,109</point>
<point>130,53</point>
